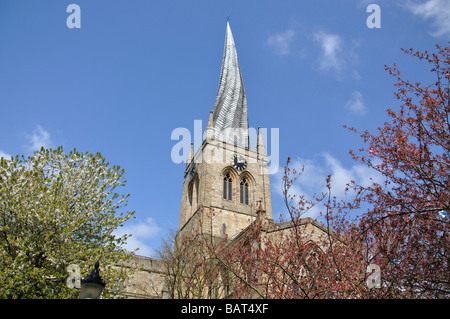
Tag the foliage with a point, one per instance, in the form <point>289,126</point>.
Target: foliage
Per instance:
<point>58,209</point>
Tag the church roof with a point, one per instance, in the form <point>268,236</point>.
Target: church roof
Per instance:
<point>230,109</point>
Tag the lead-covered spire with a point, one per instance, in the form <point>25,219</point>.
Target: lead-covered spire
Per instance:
<point>230,109</point>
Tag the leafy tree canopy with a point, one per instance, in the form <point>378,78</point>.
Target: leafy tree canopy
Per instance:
<point>58,209</point>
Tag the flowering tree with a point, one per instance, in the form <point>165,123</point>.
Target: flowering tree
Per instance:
<point>56,210</point>
<point>406,225</point>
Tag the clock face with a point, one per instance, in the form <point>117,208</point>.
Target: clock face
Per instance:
<point>239,163</point>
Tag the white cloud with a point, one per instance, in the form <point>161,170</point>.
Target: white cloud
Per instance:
<point>436,10</point>
<point>313,179</point>
<point>281,42</point>
<point>140,232</point>
<point>4,155</point>
<point>356,104</point>
<point>337,55</point>
<point>38,138</point>
<point>332,57</point>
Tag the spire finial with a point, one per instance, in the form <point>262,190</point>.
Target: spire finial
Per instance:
<point>260,147</point>
<point>190,156</point>
<point>210,127</point>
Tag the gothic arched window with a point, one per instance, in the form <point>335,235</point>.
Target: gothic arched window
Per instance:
<point>196,190</point>
<point>193,191</point>
<point>244,191</point>
<point>190,192</point>
<point>227,187</point>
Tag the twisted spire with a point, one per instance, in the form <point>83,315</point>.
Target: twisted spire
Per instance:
<point>230,109</point>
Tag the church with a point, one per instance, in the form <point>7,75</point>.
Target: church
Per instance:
<point>224,176</point>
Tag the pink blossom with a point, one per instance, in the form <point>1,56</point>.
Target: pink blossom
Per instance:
<point>373,152</point>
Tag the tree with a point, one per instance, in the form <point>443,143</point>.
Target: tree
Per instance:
<point>177,260</point>
<point>59,209</point>
<point>408,236</point>
<point>191,265</point>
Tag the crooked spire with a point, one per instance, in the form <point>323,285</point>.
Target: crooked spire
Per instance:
<point>230,109</point>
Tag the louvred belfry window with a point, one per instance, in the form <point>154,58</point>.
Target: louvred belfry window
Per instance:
<point>244,191</point>
<point>227,187</point>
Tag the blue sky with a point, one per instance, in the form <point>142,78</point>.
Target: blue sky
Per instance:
<point>137,70</point>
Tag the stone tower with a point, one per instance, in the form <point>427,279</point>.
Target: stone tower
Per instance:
<point>226,183</point>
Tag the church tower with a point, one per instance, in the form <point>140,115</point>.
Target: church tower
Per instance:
<point>226,183</point>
